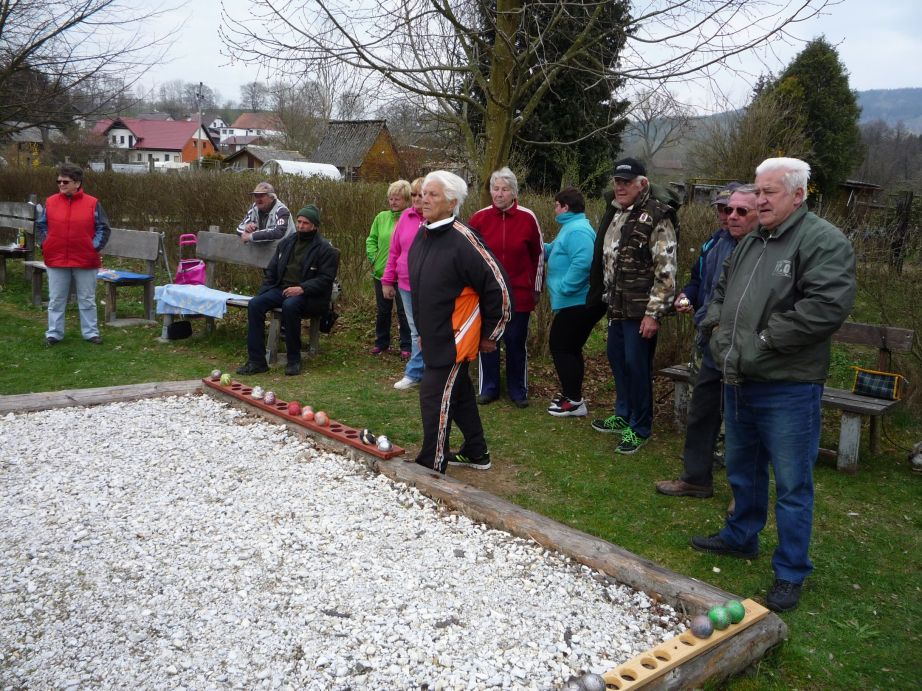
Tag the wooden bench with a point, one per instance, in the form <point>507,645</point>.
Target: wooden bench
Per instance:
<point>142,245</point>
<point>215,247</point>
<point>17,216</point>
<point>887,340</point>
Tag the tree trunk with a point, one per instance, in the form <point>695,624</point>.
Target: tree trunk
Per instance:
<point>500,115</point>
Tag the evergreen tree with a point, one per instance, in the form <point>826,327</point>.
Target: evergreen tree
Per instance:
<point>816,83</point>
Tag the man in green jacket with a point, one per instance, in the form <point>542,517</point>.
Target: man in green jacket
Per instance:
<point>785,290</point>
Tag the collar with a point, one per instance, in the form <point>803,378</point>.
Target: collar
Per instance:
<point>513,209</point>
<point>439,224</point>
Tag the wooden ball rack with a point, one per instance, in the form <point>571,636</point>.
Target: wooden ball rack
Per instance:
<point>648,667</point>
<point>334,430</point>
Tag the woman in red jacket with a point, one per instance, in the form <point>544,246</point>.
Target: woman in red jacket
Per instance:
<point>72,229</point>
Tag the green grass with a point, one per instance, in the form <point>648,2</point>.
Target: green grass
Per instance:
<point>857,626</point>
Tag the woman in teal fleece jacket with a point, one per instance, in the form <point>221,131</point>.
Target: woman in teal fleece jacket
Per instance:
<point>569,258</point>
<point>378,245</point>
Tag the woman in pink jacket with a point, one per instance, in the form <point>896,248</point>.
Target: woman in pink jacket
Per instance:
<point>396,276</point>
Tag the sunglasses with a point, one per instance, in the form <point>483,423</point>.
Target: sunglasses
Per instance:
<point>741,211</point>
<point>64,182</point>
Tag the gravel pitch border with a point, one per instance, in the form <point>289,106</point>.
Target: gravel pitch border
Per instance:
<point>179,543</point>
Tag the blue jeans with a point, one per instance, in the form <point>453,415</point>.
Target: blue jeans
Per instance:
<point>777,424</point>
<point>415,367</point>
<point>58,290</point>
<point>630,356</point>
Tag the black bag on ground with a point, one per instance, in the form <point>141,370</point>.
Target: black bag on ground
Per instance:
<point>328,320</point>
<point>179,330</point>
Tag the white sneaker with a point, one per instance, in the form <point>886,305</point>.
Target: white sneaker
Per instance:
<point>564,407</point>
<point>406,383</point>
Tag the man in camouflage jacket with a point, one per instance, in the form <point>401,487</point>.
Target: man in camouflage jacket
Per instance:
<point>634,269</point>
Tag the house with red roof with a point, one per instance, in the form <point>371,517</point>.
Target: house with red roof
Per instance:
<point>167,141</point>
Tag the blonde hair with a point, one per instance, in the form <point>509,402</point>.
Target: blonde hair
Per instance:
<point>401,187</point>
<point>417,184</point>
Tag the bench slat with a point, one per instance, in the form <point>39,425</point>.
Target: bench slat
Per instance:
<point>886,337</point>
<point>224,247</point>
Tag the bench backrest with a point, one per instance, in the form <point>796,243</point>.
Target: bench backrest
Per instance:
<point>132,244</point>
<point>886,339</point>
<point>213,247</point>
<point>17,215</point>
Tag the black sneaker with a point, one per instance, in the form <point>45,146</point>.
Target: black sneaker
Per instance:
<point>630,442</point>
<point>51,340</point>
<point>486,400</point>
<point>520,402</point>
<point>482,463</point>
<point>611,425</point>
<point>252,368</point>
<point>443,466</point>
<point>293,368</point>
<point>783,596</point>
<point>714,544</point>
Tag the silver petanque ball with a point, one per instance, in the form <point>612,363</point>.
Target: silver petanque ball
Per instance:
<point>258,392</point>
<point>269,397</point>
<point>384,444</point>
<point>574,684</point>
<point>593,682</point>
<point>215,374</point>
<point>684,302</point>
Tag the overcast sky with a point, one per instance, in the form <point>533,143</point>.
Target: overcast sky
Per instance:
<point>877,41</point>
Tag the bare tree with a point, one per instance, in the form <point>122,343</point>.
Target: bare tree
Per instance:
<point>303,109</point>
<point>254,96</point>
<point>732,145</point>
<point>51,51</point>
<point>658,121</point>
<point>449,51</point>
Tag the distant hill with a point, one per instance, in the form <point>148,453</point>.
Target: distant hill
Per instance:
<point>893,106</point>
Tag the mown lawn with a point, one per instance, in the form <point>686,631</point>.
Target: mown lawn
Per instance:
<point>857,626</point>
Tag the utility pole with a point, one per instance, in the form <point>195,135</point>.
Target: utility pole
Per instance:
<point>199,98</point>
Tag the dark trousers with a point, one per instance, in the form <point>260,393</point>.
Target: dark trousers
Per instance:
<point>446,394</point>
<point>702,427</point>
<point>293,310</point>
<point>569,332</point>
<point>630,356</point>
<point>383,320</point>
<point>515,339</point>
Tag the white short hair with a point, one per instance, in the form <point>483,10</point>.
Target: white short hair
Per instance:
<point>506,176</point>
<point>795,173</point>
<point>453,186</point>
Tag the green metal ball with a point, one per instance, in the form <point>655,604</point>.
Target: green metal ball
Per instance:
<point>736,610</point>
<point>719,617</point>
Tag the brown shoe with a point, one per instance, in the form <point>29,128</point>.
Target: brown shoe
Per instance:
<point>680,488</point>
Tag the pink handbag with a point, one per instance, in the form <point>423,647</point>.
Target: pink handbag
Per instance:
<point>190,272</point>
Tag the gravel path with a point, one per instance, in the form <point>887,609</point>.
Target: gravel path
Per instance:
<point>178,543</point>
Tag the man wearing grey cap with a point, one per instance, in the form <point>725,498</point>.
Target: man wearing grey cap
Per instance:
<point>633,272</point>
<point>299,279</point>
<point>267,219</point>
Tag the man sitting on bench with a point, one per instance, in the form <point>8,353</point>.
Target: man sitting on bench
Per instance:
<point>299,279</point>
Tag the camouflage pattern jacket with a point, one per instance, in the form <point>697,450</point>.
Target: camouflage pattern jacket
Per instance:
<point>638,260</point>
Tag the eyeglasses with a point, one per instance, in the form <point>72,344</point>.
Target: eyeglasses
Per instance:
<point>740,211</point>
<point>64,182</point>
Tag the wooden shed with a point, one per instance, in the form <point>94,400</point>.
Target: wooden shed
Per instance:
<point>361,150</point>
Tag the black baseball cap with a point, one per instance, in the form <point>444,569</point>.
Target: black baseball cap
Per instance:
<point>629,168</point>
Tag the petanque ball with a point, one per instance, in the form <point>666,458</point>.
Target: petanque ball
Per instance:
<point>384,444</point>
<point>307,413</point>
<point>736,610</point>
<point>258,392</point>
<point>294,408</point>
<point>719,617</point>
<point>593,682</point>
<point>701,626</point>
<point>269,397</point>
<point>215,375</point>
<point>225,379</point>
<point>367,437</point>
<point>321,418</point>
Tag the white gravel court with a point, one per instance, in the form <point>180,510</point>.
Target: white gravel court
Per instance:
<point>179,543</point>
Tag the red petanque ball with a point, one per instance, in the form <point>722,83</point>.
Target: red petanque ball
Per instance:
<point>321,418</point>
<point>294,408</point>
